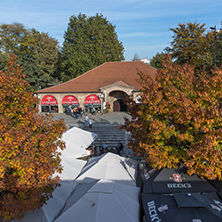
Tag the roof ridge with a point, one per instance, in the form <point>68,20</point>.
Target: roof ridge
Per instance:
<point>89,71</point>
<point>119,72</point>
<point>71,79</point>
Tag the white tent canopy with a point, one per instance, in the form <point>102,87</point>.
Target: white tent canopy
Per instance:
<point>77,140</point>
<point>110,166</point>
<point>102,201</point>
<point>71,169</point>
<point>79,137</point>
<point>74,151</point>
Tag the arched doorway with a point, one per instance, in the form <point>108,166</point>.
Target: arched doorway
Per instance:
<point>118,101</point>
<point>119,106</point>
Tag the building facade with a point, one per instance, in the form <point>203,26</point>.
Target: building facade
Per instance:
<point>106,86</point>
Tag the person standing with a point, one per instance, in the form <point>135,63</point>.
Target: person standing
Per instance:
<point>70,110</point>
<point>80,111</point>
<point>120,148</point>
<point>105,147</point>
<point>90,123</point>
<point>93,111</point>
<point>86,119</point>
<point>77,114</point>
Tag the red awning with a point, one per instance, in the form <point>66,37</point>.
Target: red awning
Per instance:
<point>70,100</point>
<point>92,99</point>
<point>49,100</point>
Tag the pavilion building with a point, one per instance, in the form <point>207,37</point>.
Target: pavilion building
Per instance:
<point>106,85</point>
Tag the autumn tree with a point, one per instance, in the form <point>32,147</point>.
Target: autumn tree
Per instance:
<point>179,120</point>
<point>28,147</point>
<point>88,42</point>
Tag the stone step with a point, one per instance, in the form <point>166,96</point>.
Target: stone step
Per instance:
<point>105,132</point>
<point>108,134</point>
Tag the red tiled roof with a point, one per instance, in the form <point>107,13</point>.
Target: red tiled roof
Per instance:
<point>103,75</point>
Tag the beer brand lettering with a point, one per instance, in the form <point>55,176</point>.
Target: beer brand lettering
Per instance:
<point>219,204</point>
<point>152,212</point>
<point>48,100</point>
<point>177,177</point>
<point>215,207</point>
<point>151,171</point>
<point>146,174</point>
<point>179,185</point>
<point>162,208</point>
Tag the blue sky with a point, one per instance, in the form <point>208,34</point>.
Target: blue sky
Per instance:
<point>143,26</point>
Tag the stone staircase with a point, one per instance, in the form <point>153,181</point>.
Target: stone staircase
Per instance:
<point>108,134</point>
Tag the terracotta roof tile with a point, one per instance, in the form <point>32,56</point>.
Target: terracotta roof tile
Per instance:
<point>103,75</point>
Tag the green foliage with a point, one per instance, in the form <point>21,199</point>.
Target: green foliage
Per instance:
<point>3,59</point>
<point>179,120</point>
<point>156,61</point>
<point>88,42</point>
<point>189,44</point>
<point>37,52</point>
<point>215,38</point>
<point>14,38</point>
<point>28,147</point>
<point>42,64</point>
<point>107,107</point>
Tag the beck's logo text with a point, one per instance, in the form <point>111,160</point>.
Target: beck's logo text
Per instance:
<point>178,179</point>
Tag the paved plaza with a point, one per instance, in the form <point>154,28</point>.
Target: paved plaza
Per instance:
<point>114,118</point>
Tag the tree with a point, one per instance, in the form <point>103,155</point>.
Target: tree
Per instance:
<point>3,59</point>
<point>219,49</point>
<point>179,120</point>
<point>37,52</point>
<point>88,42</point>
<point>189,44</point>
<point>28,147</point>
<point>215,37</point>
<point>136,58</point>
<point>15,39</point>
<point>156,61</point>
<point>42,62</point>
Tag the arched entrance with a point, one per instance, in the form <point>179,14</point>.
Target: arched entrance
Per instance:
<point>119,106</point>
<point>118,101</point>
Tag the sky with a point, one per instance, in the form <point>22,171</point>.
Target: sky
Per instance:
<point>143,26</point>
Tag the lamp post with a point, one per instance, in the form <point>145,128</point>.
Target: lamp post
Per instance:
<point>38,83</point>
<point>101,96</point>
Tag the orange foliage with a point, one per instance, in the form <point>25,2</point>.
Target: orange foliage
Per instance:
<point>28,147</point>
<point>179,119</point>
